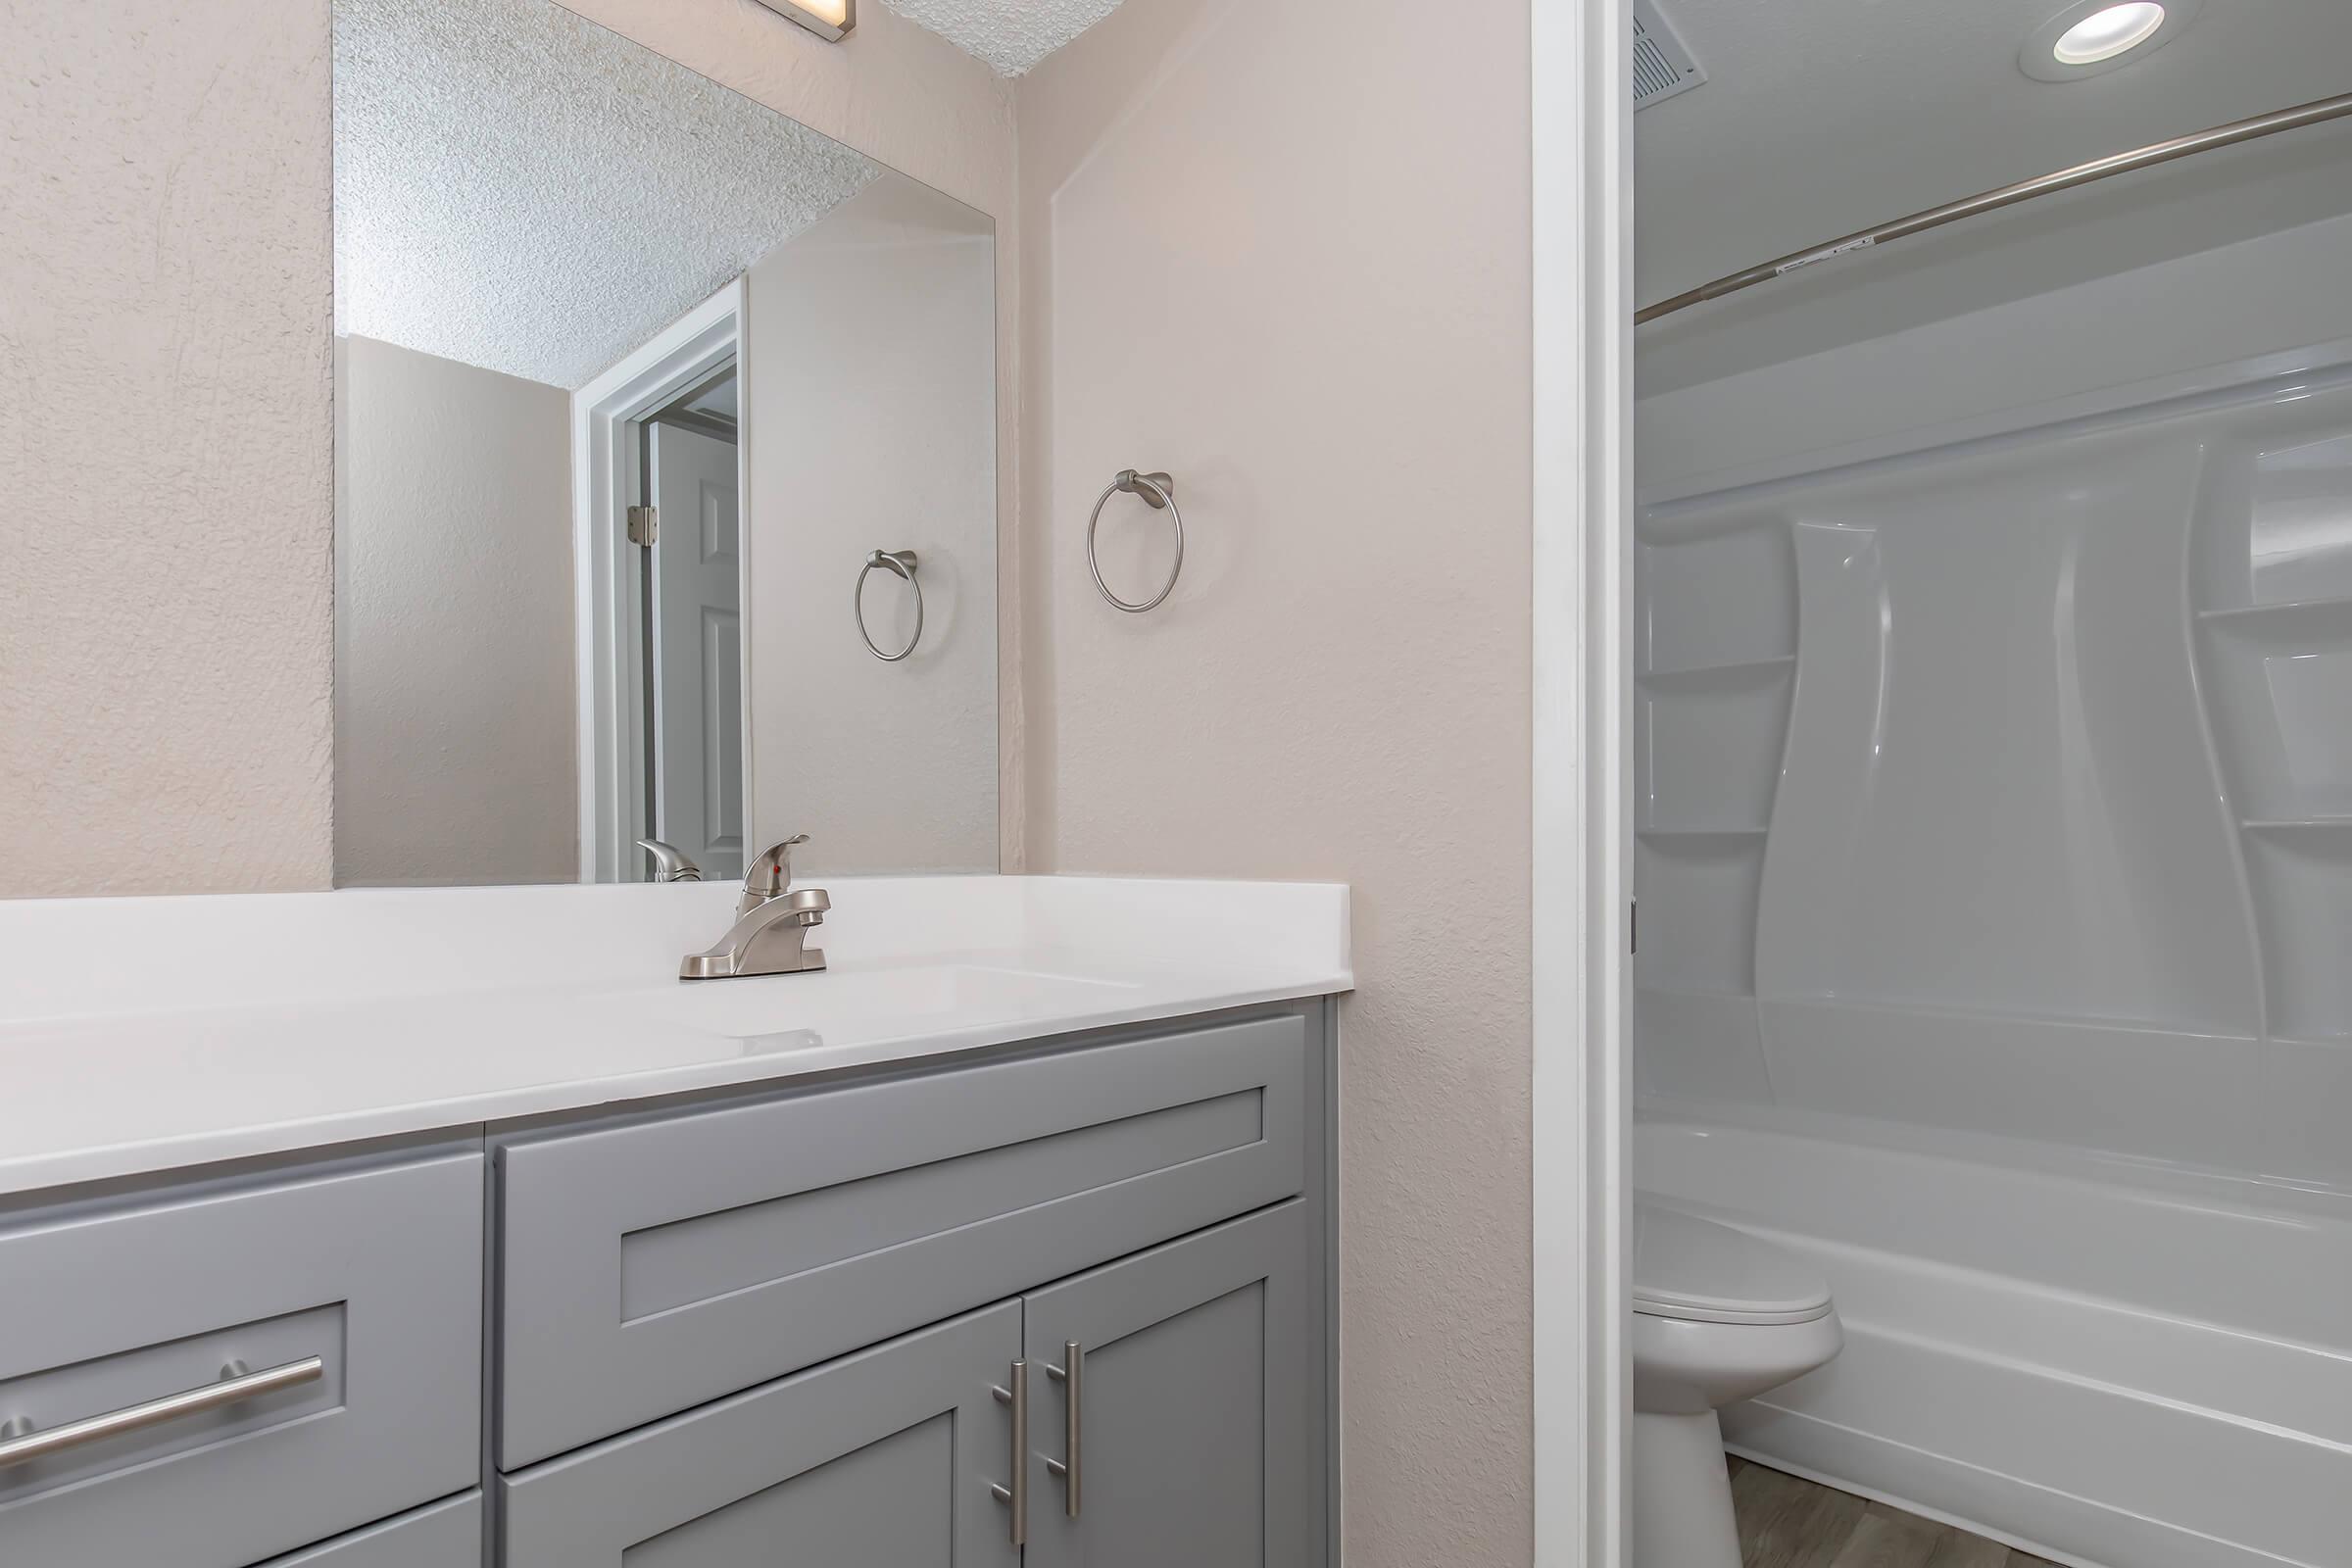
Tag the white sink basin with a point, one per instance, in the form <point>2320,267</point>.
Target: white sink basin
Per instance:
<point>809,1004</point>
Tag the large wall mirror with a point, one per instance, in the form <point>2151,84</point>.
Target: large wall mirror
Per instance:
<point>665,451</point>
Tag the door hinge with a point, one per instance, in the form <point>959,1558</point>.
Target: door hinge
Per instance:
<point>1633,927</point>
<point>645,524</point>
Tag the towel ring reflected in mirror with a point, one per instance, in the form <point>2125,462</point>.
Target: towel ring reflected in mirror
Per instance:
<point>901,563</point>
<point>1160,494</point>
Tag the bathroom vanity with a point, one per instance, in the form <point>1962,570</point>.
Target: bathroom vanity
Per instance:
<point>966,1251</point>
<point>425,1226</point>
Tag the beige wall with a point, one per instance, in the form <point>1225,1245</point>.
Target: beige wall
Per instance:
<point>873,425</point>
<point>1281,252</point>
<point>455,709</point>
<point>166,630</point>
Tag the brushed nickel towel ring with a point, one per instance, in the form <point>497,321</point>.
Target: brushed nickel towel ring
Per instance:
<point>1160,494</point>
<point>899,563</point>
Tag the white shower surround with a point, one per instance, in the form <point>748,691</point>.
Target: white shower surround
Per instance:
<point>1995,806</point>
<point>519,189</point>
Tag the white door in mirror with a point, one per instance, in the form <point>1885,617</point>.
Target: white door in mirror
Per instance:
<point>696,646</point>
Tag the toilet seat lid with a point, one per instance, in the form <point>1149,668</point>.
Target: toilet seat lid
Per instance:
<point>1688,1267</point>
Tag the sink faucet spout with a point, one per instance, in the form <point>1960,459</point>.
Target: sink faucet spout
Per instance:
<point>772,922</point>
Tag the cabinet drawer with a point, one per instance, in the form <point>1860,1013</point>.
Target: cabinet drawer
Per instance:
<point>366,1283</point>
<point>447,1534</point>
<point>655,1266</point>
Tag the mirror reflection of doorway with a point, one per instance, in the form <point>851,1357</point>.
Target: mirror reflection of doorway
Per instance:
<point>690,578</point>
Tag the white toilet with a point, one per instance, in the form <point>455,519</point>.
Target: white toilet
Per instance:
<point>1718,1316</point>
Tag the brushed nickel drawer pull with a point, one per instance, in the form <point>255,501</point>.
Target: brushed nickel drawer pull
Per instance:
<point>1069,1375</point>
<point>39,1445</point>
<point>1017,1495</point>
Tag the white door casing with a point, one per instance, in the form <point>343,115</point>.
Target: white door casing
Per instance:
<point>610,605</point>
<point>1582,348</point>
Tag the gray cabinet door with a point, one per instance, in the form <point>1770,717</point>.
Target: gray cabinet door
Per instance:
<point>447,1534</point>
<point>883,1459</point>
<point>1195,1441</point>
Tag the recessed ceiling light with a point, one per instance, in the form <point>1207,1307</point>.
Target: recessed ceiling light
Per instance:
<point>2091,37</point>
<point>2104,34</point>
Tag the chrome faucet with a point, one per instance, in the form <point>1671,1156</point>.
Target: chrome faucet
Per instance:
<point>670,861</point>
<point>773,922</point>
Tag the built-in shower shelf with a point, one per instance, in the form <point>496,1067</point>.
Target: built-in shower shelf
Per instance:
<point>1730,677</point>
<point>1697,992</point>
<point>2291,617</point>
<point>2300,873</point>
<point>1696,837</point>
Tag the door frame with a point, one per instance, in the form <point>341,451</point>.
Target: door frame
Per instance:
<point>607,474</point>
<point>1582,1100</point>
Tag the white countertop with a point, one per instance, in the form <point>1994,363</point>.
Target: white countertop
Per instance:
<point>142,1035</point>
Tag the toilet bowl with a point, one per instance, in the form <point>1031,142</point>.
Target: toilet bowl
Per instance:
<point>1718,1316</point>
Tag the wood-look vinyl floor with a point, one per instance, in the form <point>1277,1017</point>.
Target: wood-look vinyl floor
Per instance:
<point>1789,1523</point>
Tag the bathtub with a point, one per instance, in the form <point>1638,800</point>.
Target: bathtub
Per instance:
<point>2111,1366</point>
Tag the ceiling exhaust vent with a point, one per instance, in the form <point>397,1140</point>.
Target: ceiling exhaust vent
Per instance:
<point>1662,67</point>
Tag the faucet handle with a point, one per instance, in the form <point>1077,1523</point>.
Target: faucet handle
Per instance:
<point>670,861</point>
<point>770,871</point>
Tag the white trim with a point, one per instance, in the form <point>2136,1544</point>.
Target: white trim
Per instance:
<point>605,615</point>
<point>746,422</point>
<point>1583,460</point>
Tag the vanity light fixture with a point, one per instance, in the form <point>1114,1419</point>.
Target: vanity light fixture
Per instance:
<point>830,19</point>
<point>2093,36</point>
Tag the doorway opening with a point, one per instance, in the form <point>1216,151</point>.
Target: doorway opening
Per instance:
<point>686,533</point>
<point>661,563</point>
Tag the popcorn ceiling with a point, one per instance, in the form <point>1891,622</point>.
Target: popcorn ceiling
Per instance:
<point>1011,35</point>
<point>519,189</point>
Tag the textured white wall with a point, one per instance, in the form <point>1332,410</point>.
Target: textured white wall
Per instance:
<point>165,622</point>
<point>518,189</point>
<point>1011,35</point>
<point>455,709</point>
<point>894,90</point>
<point>1222,280</point>
<point>873,426</point>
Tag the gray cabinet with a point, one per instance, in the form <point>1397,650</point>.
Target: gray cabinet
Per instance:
<point>1197,1439</point>
<point>446,1535</point>
<point>654,1265</point>
<point>351,1299</point>
<point>794,1326</point>
<point>882,1459</point>
<point>1191,1434</point>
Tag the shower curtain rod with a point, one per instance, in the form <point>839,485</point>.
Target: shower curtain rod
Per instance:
<point>2163,152</point>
